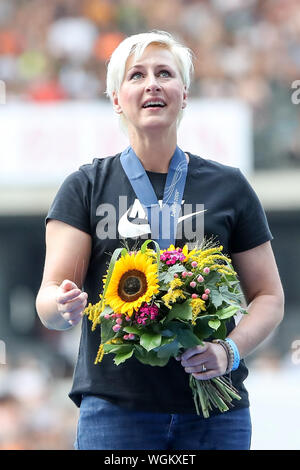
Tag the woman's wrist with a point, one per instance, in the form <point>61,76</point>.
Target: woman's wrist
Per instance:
<point>233,356</point>
<point>236,354</point>
<point>47,310</point>
<point>229,353</point>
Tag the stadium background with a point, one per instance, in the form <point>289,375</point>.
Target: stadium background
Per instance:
<point>55,53</point>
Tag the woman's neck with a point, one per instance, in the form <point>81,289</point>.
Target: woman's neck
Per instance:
<point>155,152</point>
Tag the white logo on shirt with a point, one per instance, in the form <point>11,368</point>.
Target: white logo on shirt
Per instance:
<point>132,228</point>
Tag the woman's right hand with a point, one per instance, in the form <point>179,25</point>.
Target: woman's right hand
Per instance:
<point>71,302</point>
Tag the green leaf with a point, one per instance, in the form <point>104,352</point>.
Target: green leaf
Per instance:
<point>150,341</point>
<point>133,329</point>
<point>211,279</point>
<point>168,276</point>
<point>111,266</point>
<point>221,332</point>
<point>107,309</point>
<point>202,329</point>
<point>228,312</point>
<point>184,335</point>
<point>168,350</point>
<point>187,339</point>
<point>215,297</point>
<point>107,332</point>
<point>157,249</point>
<point>122,357</point>
<point>227,296</point>
<point>149,357</point>
<point>167,333</point>
<point>117,348</point>
<point>214,324</point>
<point>124,252</point>
<point>180,312</point>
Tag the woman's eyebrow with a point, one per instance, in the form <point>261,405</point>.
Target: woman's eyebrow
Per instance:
<point>143,66</point>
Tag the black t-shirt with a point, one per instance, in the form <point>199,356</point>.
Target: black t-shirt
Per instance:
<point>99,199</point>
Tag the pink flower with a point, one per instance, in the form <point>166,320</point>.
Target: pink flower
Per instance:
<point>193,284</point>
<point>207,291</point>
<point>194,264</point>
<point>206,270</point>
<point>131,336</point>
<point>200,278</point>
<point>204,296</point>
<point>116,328</point>
<point>170,257</point>
<point>119,321</point>
<point>194,296</point>
<point>107,316</point>
<point>146,313</point>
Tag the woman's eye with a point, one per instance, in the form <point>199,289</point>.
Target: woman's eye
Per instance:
<point>164,73</point>
<point>135,75</point>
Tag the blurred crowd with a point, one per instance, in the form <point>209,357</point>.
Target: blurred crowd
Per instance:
<point>35,380</point>
<point>35,411</point>
<point>57,50</point>
<point>245,49</point>
<point>37,414</point>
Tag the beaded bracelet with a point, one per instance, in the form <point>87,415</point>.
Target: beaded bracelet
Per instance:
<point>236,354</point>
<point>229,352</point>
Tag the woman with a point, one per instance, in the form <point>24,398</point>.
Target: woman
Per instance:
<point>135,406</point>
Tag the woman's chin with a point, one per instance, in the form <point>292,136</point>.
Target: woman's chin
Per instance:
<point>156,123</point>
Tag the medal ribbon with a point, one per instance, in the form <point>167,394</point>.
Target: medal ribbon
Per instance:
<point>162,219</point>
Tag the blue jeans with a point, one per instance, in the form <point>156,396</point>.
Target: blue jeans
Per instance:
<point>104,426</point>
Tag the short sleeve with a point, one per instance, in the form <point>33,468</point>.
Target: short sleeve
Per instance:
<point>251,227</point>
<point>72,203</point>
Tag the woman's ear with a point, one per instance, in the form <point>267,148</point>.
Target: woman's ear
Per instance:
<point>116,104</point>
<point>185,95</point>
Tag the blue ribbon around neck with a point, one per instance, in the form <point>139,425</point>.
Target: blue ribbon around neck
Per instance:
<point>162,219</point>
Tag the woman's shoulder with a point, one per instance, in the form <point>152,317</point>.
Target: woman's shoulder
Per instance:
<point>200,163</point>
<point>98,164</point>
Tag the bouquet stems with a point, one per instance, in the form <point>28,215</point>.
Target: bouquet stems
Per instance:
<point>214,393</point>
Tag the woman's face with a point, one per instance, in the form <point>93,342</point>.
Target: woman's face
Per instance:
<point>152,92</point>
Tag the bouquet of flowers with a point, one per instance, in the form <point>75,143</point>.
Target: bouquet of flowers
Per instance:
<point>156,304</point>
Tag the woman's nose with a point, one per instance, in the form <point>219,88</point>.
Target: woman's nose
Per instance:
<point>152,84</point>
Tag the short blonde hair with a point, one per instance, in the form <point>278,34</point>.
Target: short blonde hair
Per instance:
<point>136,45</point>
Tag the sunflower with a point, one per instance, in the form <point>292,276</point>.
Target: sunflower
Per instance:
<point>134,281</point>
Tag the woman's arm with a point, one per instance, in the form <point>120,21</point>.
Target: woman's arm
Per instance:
<point>260,281</point>
<point>60,302</point>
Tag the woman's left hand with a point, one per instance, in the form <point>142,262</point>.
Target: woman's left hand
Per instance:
<point>205,362</point>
